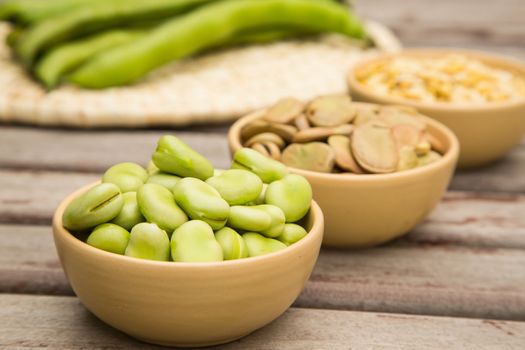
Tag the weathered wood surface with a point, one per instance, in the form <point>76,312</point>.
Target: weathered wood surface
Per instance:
<point>36,322</point>
<point>446,280</point>
<point>23,148</point>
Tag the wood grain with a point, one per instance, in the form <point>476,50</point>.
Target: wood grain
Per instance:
<point>446,280</point>
<point>96,150</point>
<point>36,322</point>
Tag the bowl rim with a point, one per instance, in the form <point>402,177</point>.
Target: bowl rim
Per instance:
<point>315,233</point>
<point>489,58</point>
<point>450,156</point>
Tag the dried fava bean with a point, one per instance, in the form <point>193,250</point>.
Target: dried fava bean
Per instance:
<point>249,218</point>
<point>284,111</point>
<point>130,214</point>
<point>395,115</point>
<point>148,241</point>
<point>301,122</point>
<point>201,202</point>
<point>259,126</point>
<point>291,234</point>
<point>314,156</point>
<point>237,186</point>
<point>364,114</point>
<point>127,176</point>
<point>322,133</point>
<point>423,148</point>
<point>407,158</point>
<point>435,143</point>
<point>331,110</point>
<point>273,150</point>
<point>430,157</point>
<point>343,154</point>
<point>109,237</point>
<point>406,135</point>
<point>277,220</point>
<point>259,147</point>
<point>267,169</point>
<point>97,205</point>
<point>175,157</point>
<point>293,194</point>
<point>194,241</point>
<point>259,245</point>
<point>374,148</point>
<point>232,244</point>
<point>157,204</point>
<point>163,179</point>
<point>265,137</point>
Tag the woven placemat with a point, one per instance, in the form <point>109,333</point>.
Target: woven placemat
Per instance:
<point>216,87</point>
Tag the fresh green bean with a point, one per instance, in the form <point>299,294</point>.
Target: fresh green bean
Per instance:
<point>65,58</point>
<point>206,27</point>
<point>87,19</point>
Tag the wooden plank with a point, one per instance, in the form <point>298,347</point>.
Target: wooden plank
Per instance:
<point>446,280</point>
<point>451,22</point>
<point>31,322</point>
<point>97,150</point>
<point>52,149</point>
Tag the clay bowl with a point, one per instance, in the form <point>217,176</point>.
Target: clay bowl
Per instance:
<point>486,132</point>
<point>186,304</point>
<point>366,210</point>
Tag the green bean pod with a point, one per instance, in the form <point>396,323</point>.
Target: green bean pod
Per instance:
<point>67,57</point>
<point>206,27</point>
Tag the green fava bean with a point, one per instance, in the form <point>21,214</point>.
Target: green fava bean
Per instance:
<point>249,218</point>
<point>259,245</point>
<point>267,169</point>
<point>201,202</point>
<point>292,233</point>
<point>277,220</point>
<point>293,194</point>
<point>127,176</point>
<point>130,214</point>
<point>109,237</point>
<point>98,205</point>
<point>164,179</point>
<point>148,241</point>
<point>194,241</point>
<point>233,246</point>
<point>175,157</point>
<point>237,186</point>
<point>157,205</point>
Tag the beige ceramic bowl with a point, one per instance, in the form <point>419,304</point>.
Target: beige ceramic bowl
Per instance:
<point>486,132</point>
<point>186,304</point>
<point>366,210</point>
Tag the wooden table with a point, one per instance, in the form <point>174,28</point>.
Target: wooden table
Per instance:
<point>456,281</point>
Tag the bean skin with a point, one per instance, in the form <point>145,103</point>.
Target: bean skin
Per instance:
<point>206,27</point>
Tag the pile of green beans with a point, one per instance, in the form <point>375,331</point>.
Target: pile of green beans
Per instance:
<point>75,40</point>
<point>182,209</point>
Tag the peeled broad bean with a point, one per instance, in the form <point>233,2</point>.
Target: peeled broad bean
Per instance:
<point>237,186</point>
<point>163,179</point>
<point>267,169</point>
<point>148,241</point>
<point>291,234</point>
<point>194,241</point>
<point>292,194</point>
<point>109,237</point>
<point>201,202</point>
<point>157,205</point>
<point>176,157</point>
<point>259,245</point>
<point>130,214</point>
<point>249,218</point>
<point>277,220</point>
<point>232,244</point>
<point>98,205</point>
<point>127,176</point>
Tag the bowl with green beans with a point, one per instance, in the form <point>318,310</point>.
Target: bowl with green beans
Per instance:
<point>182,254</point>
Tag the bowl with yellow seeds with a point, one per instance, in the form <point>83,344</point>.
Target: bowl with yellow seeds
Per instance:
<point>479,96</point>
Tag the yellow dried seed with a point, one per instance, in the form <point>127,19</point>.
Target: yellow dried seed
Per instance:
<point>422,148</point>
<point>407,158</point>
<point>430,157</point>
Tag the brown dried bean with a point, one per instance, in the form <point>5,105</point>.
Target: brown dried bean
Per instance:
<point>320,133</point>
<point>265,137</point>
<point>331,110</point>
<point>343,154</point>
<point>284,111</point>
<point>314,156</point>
